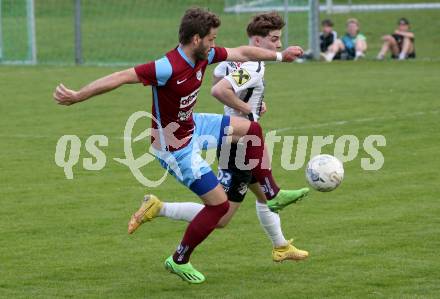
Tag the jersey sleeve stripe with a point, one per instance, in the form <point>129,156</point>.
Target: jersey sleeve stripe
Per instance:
<point>219,54</point>
<point>211,55</point>
<point>163,71</point>
<point>159,125</point>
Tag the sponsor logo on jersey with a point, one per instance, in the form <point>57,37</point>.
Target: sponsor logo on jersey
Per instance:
<point>189,99</point>
<point>181,81</point>
<point>199,75</point>
<point>184,115</point>
<point>241,76</point>
<point>235,65</point>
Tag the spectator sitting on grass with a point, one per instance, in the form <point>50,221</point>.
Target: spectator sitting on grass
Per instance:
<point>400,44</point>
<point>326,37</point>
<point>351,46</point>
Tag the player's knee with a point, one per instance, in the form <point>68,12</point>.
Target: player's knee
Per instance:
<point>255,129</point>
<point>222,208</point>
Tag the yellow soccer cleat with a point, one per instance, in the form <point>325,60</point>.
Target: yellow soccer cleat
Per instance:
<point>288,252</point>
<point>149,209</point>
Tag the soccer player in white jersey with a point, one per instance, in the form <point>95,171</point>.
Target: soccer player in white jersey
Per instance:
<point>240,86</point>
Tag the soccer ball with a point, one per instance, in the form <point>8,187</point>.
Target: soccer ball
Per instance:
<point>324,173</point>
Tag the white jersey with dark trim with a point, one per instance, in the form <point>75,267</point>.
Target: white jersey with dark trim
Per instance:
<point>247,80</point>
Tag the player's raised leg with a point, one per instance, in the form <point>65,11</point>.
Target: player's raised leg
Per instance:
<point>153,207</point>
<point>256,153</point>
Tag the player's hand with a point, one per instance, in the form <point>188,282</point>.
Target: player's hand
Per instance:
<point>292,53</point>
<point>263,108</point>
<point>65,96</point>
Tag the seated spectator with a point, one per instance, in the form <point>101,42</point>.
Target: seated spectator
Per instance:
<point>326,37</point>
<point>351,46</point>
<point>400,44</point>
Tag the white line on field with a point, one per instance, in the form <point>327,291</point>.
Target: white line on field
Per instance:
<point>359,120</point>
<point>320,125</point>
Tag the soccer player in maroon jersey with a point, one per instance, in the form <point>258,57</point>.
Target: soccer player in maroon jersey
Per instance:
<point>176,79</point>
<point>240,87</point>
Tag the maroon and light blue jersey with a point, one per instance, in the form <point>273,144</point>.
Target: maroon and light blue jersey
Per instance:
<point>176,82</point>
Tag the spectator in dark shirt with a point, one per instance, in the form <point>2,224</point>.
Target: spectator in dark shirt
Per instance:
<point>400,43</point>
<point>326,37</point>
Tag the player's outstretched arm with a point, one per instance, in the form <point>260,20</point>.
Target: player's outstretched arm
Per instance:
<point>67,97</point>
<point>224,92</point>
<point>249,53</point>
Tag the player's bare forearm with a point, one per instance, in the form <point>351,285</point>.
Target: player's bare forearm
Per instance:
<point>249,53</point>
<point>223,92</point>
<point>65,96</point>
<point>405,34</point>
<point>100,86</point>
<point>215,80</point>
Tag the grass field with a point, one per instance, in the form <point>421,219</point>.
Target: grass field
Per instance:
<point>377,236</point>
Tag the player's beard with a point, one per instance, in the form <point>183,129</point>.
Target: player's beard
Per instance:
<point>201,53</point>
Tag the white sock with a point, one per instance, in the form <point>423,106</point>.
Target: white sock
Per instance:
<point>181,210</point>
<point>329,56</point>
<point>402,56</point>
<point>271,224</point>
<point>359,54</point>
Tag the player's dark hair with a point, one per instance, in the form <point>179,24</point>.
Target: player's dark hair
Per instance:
<point>197,21</point>
<point>262,24</point>
<point>327,22</point>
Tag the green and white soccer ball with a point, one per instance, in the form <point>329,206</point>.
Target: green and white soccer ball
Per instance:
<point>324,173</point>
